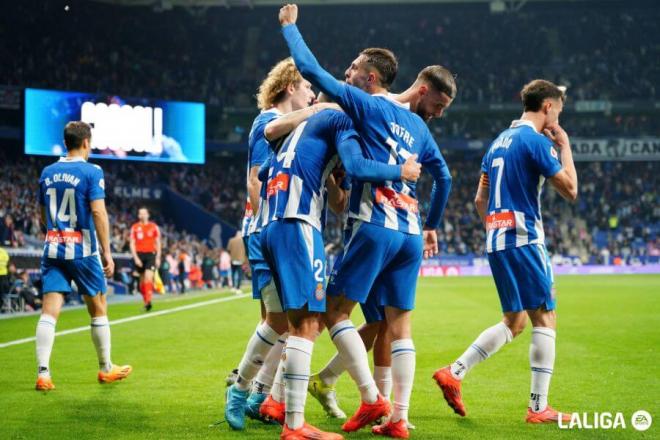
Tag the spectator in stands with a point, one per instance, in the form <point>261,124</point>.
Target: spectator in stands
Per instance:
<point>208,265</point>
<point>224,266</point>
<point>7,232</point>
<point>4,276</point>
<point>164,271</point>
<point>236,248</point>
<point>174,270</point>
<point>184,266</point>
<point>26,291</point>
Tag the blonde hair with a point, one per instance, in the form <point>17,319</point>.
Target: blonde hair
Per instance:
<point>273,88</point>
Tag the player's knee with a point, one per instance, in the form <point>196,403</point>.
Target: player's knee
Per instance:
<point>516,323</point>
<point>307,328</point>
<point>544,318</point>
<point>277,321</point>
<point>368,333</point>
<point>399,330</point>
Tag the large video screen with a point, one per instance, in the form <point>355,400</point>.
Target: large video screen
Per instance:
<point>122,128</point>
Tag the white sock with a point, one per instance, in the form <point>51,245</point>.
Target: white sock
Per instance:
<point>45,340</point>
<point>263,339</point>
<point>403,375</point>
<point>101,338</point>
<point>383,378</point>
<point>278,389</point>
<point>264,380</point>
<point>298,365</point>
<point>542,361</point>
<point>487,344</point>
<point>329,375</point>
<point>353,355</point>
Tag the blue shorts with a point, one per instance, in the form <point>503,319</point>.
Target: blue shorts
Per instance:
<point>523,277</point>
<point>381,262</point>
<point>86,272</point>
<point>260,272</point>
<point>295,254</point>
<point>370,309</point>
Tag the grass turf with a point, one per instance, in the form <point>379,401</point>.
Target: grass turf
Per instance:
<point>607,360</point>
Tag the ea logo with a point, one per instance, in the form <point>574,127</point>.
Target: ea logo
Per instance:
<point>641,420</point>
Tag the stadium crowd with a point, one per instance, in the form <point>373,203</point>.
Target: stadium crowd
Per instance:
<point>617,214</point>
<point>616,219</point>
<point>118,55</point>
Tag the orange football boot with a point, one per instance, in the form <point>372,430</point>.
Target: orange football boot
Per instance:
<point>117,373</point>
<point>273,410</point>
<point>308,432</point>
<point>451,389</point>
<point>44,384</point>
<point>548,415</point>
<point>392,429</point>
<point>367,413</point>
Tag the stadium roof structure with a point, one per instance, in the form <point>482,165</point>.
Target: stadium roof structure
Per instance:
<point>169,4</point>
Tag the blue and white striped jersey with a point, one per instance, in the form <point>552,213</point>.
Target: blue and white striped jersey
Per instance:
<point>517,164</point>
<point>299,170</point>
<point>258,152</point>
<point>390,133</point>
<point>66,190</point>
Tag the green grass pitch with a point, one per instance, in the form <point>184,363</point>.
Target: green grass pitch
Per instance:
<point>607,360</point>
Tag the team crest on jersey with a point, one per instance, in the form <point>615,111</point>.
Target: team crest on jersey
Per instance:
<point>320,292</point>
<point>553,153</point>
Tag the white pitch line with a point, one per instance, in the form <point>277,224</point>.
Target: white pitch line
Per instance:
<point>131,318</point>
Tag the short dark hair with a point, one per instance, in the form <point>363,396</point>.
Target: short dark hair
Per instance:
<point>440,78</point>
<point>385,63</point>
<point>537,91</point>
<point>75,132</point>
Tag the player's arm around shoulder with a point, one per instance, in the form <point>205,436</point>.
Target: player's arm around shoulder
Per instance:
<point>284,125</point>
<point>565,180</point>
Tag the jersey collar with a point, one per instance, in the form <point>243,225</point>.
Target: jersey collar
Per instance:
<point>72,159</point>
<point>520,122</point>
<point>392,98</point>
<point>273,110</point>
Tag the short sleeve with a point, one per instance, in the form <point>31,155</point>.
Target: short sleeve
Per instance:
<point>484,163</point>
<point>545,157</point>
<point>96,189</point>
<point>259,145</point>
